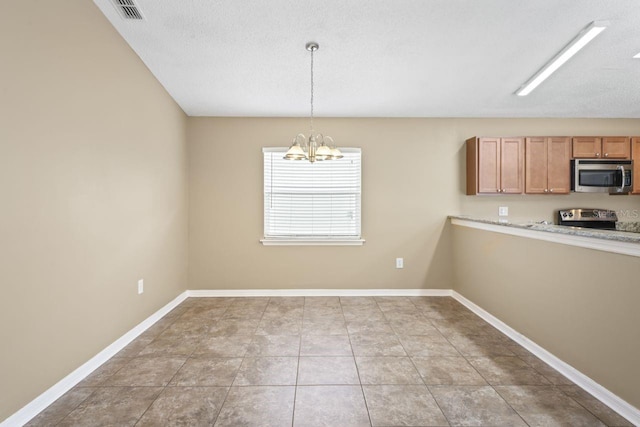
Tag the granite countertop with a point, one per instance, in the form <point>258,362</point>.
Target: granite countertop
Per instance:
<point>618,235</point>
<point>629,226</point>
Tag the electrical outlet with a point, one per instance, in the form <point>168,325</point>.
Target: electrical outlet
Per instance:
<point>399,263</point>
<point>140,286</point>
<point>503,211</point>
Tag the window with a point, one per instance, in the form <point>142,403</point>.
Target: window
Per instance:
<point>312,203</point>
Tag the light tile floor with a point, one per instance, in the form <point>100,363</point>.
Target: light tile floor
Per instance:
<point>325,361</point>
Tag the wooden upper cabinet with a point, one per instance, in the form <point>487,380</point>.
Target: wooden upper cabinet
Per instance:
<point>495,165</point>
<point>488,165</point>
<point>635,155</point>
<point>512,165</point>
<point>587,147</point>
<point>540,165</point>
<point>616,147</point>
<point>536,165</point>
<point>606,147</point>
<point>559,165</point>
<point>547,165</point>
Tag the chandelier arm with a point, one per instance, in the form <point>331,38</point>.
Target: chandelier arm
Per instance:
<point>302,140</point>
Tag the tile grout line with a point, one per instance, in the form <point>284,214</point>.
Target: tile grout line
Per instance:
<point>557,386</point>
<point>68,413</point>
<point>229,388</point>
<point>469,363</point>
<point>295,389</point>
<point>190,356</point>
<point>151,403</point>
<point>102,383</point>
<point>587,409</point>
<point>418,371</point>
<point>482,376</point>
<point>364,397</point>
<point>478,372</point>
<point>509,404</point>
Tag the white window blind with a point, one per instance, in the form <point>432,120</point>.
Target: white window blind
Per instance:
<point>312,200</point>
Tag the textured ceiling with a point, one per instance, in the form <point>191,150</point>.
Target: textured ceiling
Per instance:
<point>387,58</point>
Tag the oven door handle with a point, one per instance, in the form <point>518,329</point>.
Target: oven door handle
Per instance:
<point>622,176</point>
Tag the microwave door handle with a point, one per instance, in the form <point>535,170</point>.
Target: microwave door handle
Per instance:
<point>622,176</point>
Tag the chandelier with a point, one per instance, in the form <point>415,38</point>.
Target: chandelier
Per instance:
<point>316,146</point>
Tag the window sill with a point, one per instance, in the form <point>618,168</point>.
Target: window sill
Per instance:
<point>312,242</point>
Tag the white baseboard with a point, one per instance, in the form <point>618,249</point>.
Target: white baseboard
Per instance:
<point>319,292</point>
<point>619,405</point>
<point>38,404</point>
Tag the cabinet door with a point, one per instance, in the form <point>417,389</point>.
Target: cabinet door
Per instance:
<point>489,165</point>
<point>512,165</point>
<point>535,165</point>
<point>587,147</point>
<point>635,155</point>
<point>559,165</point>
<point>616,147</point>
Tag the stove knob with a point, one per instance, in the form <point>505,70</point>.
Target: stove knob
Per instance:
<point>570,214</point>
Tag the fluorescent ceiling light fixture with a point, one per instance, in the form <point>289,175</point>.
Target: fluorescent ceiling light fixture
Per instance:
<point>580,41</point>
<point>636,56</point>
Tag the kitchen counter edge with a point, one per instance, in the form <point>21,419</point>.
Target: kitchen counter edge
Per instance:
<point>620,242</point>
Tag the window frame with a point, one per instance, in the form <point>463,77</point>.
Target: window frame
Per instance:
<point>310,240</point>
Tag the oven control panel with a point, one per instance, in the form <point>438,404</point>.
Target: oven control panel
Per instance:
<point>568,215</point>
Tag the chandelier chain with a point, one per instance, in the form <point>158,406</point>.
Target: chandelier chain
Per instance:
<point>312,90</point>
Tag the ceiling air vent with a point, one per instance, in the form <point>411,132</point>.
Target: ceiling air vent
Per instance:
<point>128,9</point>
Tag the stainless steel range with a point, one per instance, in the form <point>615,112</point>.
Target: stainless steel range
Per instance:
<point>602,219</point>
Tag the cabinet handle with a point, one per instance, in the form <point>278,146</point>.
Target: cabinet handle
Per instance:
<point>597,154</point>
<point>545,190</point>
<point>551,191</point>
<point>606,154</point>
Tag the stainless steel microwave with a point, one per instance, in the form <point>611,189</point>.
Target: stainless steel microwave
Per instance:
<point>601,176</point>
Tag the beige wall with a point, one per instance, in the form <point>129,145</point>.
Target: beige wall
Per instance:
<point>403,212</point>
<point>413,177</point>
<point>93,193</point>
<point>577,303</point>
